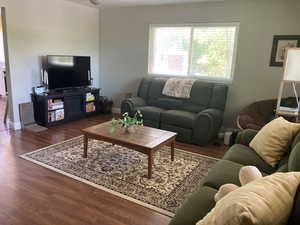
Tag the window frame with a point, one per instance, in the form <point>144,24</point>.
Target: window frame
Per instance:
<point>193,25</point>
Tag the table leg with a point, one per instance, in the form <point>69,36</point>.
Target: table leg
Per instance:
<point>150,163</point>
<point>172,150</point>
<point>85,146</point>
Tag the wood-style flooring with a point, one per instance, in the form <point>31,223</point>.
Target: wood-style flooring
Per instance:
<point>33,195</point>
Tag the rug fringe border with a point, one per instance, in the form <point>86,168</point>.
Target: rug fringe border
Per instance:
<point>149,206</point>
<point>43,148</point>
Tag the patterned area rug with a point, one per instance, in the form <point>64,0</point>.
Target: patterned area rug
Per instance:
<point>122,171</point>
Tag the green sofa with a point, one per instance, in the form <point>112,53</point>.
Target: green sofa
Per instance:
<point>199,203</point>
<point>196,120</point>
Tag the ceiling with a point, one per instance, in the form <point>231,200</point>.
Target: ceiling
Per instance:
<point>117,3</point>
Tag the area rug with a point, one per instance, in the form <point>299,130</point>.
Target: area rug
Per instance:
<point>122,171</point>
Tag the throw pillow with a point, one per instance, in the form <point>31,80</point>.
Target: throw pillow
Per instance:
<point>273,140</point>
<point>247,174</point>
<point>266,200</point>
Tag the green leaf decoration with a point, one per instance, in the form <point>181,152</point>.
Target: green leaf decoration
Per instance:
<point>127,121</point>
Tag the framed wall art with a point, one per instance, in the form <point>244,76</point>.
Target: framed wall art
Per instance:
<point>280,44</point>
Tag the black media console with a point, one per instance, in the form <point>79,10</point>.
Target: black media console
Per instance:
<point>54,108</point>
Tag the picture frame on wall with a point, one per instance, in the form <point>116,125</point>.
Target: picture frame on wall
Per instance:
<point>280,44</point>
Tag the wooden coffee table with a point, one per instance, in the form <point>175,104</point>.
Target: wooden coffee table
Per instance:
<point>146,140</point>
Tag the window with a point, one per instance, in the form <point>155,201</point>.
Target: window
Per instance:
<point>205,50</point>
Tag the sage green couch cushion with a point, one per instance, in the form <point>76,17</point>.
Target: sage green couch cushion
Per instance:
<point>150,123</point>
<point>168,103</point>
<point>283,164</point>
<point>295,214</point>
<point>155,91</point>
<point>192,107</point>
<point>294,165</point>
<point>196,206</point>
<point>201,95</point>
<point>294,159</point>
<point>223,172</point>
<point>296,140</point>
<point>245,155</point>
<point>151,113</point>
<point>218,99</point>
<point>283,169</point>
<point>179,118</point>
<point>183,134</point>
<point>144,88</point>
<point>245,137</point>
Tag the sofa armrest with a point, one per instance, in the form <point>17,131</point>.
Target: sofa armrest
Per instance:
<point>245,137</point>
<point>207,125</point>
<point>294,159</point>
<point>131,104</point>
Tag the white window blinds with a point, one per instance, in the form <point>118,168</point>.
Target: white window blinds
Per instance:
<point>206,51</point>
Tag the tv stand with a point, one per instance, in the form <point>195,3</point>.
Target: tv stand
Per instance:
<point>61,106</point>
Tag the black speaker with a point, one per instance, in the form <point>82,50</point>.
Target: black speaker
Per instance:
<point>105,105</point>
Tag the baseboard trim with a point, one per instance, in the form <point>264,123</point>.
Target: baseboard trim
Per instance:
<point>15,125</point>
<point>116,110</point>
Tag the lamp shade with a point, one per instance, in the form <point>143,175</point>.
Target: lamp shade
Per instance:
<point>292,65</point>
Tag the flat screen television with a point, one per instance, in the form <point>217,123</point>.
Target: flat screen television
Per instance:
<point>67,71</point>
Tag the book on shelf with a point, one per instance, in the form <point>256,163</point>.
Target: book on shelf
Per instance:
<point>287,111</point>
<point>89,97</point>
<point>55,104</point>
<point>51,116</point>
<point>90,107</point>
<point>56,107</point>
<point>56,115</point>
<point>60,114</point>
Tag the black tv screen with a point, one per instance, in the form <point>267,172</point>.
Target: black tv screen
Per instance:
<point>68,71</point>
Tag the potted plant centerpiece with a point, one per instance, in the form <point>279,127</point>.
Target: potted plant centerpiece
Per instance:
<point>127,123</point>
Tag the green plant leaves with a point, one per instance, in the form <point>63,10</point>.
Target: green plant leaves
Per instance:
<point>127,121</point>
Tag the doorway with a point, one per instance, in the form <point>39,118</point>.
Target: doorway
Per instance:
<point>4,73</point>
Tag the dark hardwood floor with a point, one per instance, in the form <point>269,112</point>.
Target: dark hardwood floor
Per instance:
<point>33,195</point>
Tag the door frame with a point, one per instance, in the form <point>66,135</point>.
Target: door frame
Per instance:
<point>8,70</point>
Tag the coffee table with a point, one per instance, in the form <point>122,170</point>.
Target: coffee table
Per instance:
<point>146,140</point>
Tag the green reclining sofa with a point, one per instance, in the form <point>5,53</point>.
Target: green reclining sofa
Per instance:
<point>199,203</point>
<point>197,120</point>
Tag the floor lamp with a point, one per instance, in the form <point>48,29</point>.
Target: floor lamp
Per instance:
<point>291,76</point>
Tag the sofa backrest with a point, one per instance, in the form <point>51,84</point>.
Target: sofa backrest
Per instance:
<point>203,95</point>
<point>144,88</point>
<point>295,215</point>
<point>296,140</point>
<point>294,166</point>
<point>291,161</point>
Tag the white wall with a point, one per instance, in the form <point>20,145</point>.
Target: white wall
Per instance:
<point>2,60</point>
<point>41,27</point>
<point>124,44</point>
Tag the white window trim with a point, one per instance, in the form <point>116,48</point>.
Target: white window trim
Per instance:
<point>204,78</point>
